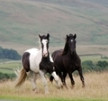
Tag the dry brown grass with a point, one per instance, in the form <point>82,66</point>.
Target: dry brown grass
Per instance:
<point>96,87</point>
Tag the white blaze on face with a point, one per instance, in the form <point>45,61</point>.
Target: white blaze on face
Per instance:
<point>71,40</point>
<point>45,51</point>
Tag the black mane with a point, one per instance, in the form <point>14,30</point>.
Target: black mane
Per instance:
<point>65,50</point>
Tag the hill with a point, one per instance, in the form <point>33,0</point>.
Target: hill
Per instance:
<point>22,20</point>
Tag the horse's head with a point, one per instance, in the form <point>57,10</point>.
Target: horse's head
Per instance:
<point>44,39</point>
<point>70,44</point>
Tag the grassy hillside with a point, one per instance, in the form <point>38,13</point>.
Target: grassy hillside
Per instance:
<point>22,20</point>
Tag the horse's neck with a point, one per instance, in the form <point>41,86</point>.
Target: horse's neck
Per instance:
<point>73,55</point>
<point>46,59</point>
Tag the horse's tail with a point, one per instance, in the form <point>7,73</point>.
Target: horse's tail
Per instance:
<point>21,78</point>
<point>17,72</point>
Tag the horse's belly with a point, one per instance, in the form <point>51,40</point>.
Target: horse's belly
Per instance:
<point>35,69</point>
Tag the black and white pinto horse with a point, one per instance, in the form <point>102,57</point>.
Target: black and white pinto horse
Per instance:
<point>67,61</point>
<point>38,61</point>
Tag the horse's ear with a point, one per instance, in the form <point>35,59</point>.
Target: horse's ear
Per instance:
<point>67,37</point>
<point>48,35</point>
<point>40,36</point>
<point>75,36</point>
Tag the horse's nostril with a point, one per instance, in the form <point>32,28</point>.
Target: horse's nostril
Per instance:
<point>45,55</point>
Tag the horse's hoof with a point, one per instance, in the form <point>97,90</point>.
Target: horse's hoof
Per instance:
<point>46,92</point>
<point>66,87</point>
<point>83,86</point>
<point>73,86</point>
<point>36,90</point>
<point>61,85</point>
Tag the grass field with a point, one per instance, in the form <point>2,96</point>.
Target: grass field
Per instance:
<point>96,90</point>
<point>9,66</point>
<point>96,86</point>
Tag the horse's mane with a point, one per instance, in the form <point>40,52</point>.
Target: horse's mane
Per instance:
<point>65,50</point>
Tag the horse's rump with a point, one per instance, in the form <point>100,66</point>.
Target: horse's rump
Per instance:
<point>25,61</point>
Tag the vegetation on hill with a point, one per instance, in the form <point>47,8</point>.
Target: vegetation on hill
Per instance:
<point>9,54</point>
<point>89,64</point>
<point>99,66</point>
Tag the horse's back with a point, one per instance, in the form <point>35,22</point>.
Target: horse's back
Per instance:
<point>56,53</point>
<point>33,57</point>
<point>32,50</point>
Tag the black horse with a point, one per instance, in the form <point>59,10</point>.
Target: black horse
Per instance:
<point>67,61</point>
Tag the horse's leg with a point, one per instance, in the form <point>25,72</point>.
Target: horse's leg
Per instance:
<point>81,76</point>
<point>64,78</point>
<point>72,80</point>
<point>61,77</point>
<point>42,74</point>
<point>33,81</point>
<point>56,78</point>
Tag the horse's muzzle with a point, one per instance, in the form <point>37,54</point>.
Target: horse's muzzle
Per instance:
<point>45,55</point>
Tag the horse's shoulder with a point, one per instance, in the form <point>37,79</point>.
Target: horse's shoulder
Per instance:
<point>56,54</point>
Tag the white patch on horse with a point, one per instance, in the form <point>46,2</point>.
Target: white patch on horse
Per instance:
<point>71,40</point>
<point>57,79</point>
<point>51,59</point>
<point>42,74</point>
<point>45,51</point>
<point>35,59</point>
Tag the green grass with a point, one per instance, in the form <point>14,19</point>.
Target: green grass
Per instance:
<point>93,58</point>
<point>9,66</point>
<point>17,98</point>
<point>7,71</point>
